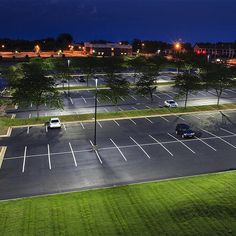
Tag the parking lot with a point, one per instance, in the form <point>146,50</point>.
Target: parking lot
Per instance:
<point>80,102</point>
<point>40,161</point>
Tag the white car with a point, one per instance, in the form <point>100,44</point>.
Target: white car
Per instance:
<point>171,103</point>
<point>54,123</point>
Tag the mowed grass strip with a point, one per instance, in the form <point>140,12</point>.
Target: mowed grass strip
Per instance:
<point>202,205</point>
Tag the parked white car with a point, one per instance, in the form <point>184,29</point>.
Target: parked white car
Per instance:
<point>171,103</point>
<point>54,123</point>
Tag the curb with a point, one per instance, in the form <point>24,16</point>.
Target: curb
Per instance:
<point>8,134</point>
<point>2,154</point>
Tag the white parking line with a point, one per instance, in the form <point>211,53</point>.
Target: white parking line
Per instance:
<point>116,122</point>
<point>179,117</point>
<point>181,143</point>
<point>230,144</point>
<point>96,152</point>
<point>161,145</point>
<point>28,129</point>
<point>23,166</point>
<point>148,107</point>
<point>99,124</point>
<point>197,117</point>
<point>82,125</point>
<point>227,131</point>
<point>166,94</point>
<point>203,94</point>
<point>105,109</point>
<point>156,96</point>
<point>49,159</point>
<point>108,98</point>
<point>122,98</point>
<point>134,108</point>
<point>73,154</point>
<point>133,121</point>
<point>120,109</point>
<point>98,100</point>
<point>149,120</point>
<point>164,118</point>
<point>232,91</point>
<point>121,153</point>
<point>29,115</point>
<point>13,116</point>
<point>64,126</point>
<point>84,99</point>
<point>133,97</point>
<point>71,101</point>
<point>140,148</point>
<point>31,104</point>
<point>206,143</point>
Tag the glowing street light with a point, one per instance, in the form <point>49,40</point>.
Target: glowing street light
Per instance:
<point>37,48</point>
<point>177,46</point>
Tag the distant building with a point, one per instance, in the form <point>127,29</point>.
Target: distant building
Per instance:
<point>224,50</point>
<point>107,49</point>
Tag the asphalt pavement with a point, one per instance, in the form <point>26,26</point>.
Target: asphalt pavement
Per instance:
<point>41,161</point>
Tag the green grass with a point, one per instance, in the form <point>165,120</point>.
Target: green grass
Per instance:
<point>6,122</point>
<point>191,206</point>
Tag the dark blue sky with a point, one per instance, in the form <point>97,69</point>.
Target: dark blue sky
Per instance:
<point>190,20</point>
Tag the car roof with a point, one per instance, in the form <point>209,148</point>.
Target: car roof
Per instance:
<point>55,118</point>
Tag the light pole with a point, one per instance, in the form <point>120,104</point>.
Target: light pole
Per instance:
<point>68,81</point>
<point>95,116</point>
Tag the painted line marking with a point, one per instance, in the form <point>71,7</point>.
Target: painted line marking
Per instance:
<point>161,145</point>
<point>71,101</point>
<point>181,143</point>
<point>148,107</point>
<point>206,144</point>
<point>166,94</point>
<point>46,128</point>
<point>133,97</point>
<point>108,98</point>
<point>140,147</point>
<point>230,144</point>
<point>28,130</point>
<point>82,125</point>
<point>31,104</point>
<point>96,152</point>
<point>64,126</point>
<point>116,122</point>
<point>122,98</point>
<point>133,121</point>
<point>73,154</point>
<point>49,159</point>
<point>2,154</point>
<point>105,109</point>
<point>30,115</point>
<point>134,108</point>
<point>197,117</point>
<point>164,118</point>
<point>23,166</point>
<point>232,91</point>
<point>84,99</point>
<point>121,153</point>
<point>13,116</point>
<point>179,117</point>
<point>156,96</point>
<point>99,124</point>
<point>227,131</point>
<point>98,100</point>
<point>120,109</point>
<point>203,94</point>
<point>149,120</point>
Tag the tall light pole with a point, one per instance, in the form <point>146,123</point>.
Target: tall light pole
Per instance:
<point>68,81</point>
<point>95,116</point>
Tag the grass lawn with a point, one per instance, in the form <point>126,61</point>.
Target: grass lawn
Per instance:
<point>191,206</point>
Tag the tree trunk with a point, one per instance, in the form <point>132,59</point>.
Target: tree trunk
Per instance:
<point>151,96</point>
<point>218,96</point>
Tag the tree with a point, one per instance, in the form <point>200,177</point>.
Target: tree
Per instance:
<point>31,85</point>
<point>64,40</point>
<point>219,78</point>
<point>117,86</point>
<point>146,84</point>
<point>187,83</point>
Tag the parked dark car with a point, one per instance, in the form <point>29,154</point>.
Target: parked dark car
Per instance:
<point>81,79</point>
<point>185,131</point>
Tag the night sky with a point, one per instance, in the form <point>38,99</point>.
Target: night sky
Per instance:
<point>168,20</point>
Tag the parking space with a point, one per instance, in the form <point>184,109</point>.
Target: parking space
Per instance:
<point>124,148</point>
<point>79,102</point>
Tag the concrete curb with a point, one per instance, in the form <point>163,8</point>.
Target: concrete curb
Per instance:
<point>8,134</point>
<point>2,154</point>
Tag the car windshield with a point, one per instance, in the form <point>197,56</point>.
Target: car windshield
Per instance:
<point>54,121</point>
<point>171,102</point>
